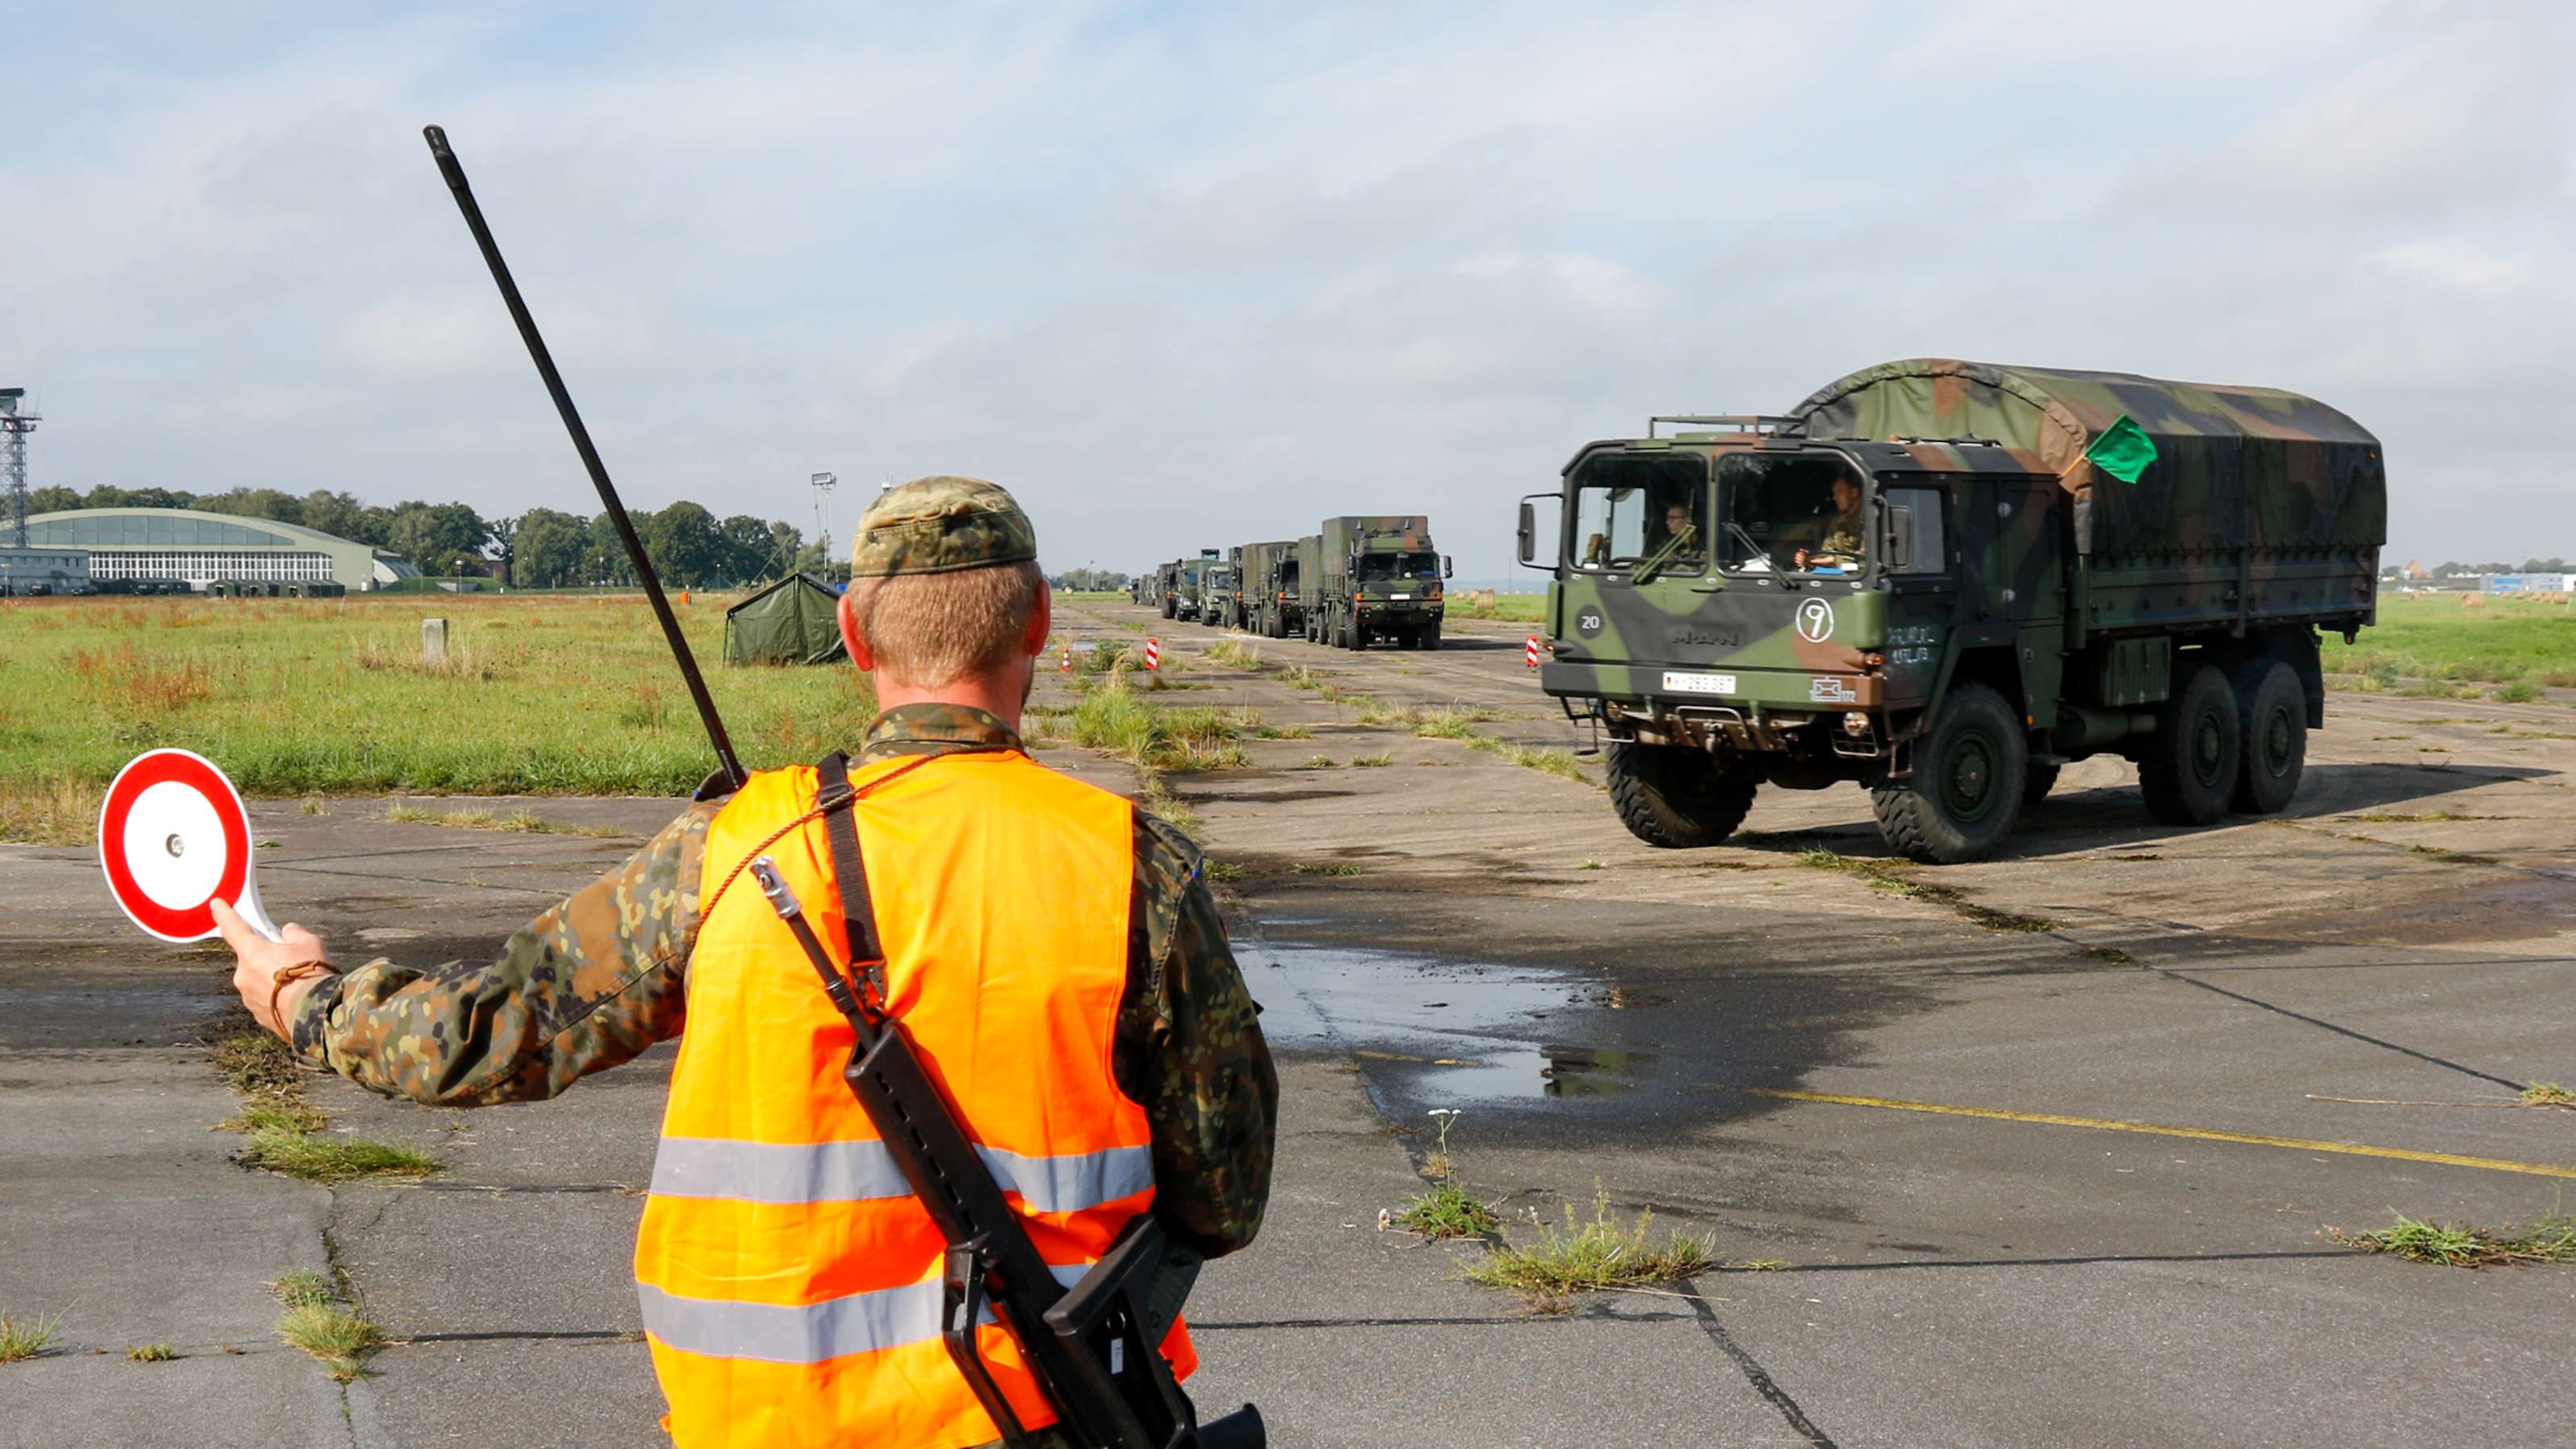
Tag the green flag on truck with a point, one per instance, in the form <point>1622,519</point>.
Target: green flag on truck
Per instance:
<point>2123,450</point>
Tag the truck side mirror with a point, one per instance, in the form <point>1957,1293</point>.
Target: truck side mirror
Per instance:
<point>1448,566</point>
<point>1529,531</point>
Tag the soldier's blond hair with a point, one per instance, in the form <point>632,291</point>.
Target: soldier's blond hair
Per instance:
<point>930,630</point>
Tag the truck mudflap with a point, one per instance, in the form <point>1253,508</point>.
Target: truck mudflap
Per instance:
<point>1733,687</point>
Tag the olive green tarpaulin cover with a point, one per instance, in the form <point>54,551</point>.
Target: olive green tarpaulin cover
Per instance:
<point>2232,467</point>
<point>790,622</point>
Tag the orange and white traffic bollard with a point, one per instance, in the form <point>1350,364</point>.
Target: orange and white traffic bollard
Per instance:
<point>1153,653</point>
<point>1529,652</point>
<point>1067,666</point>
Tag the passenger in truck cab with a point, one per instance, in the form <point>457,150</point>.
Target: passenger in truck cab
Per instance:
<point>1840,545</point>
<point>1679,525</point>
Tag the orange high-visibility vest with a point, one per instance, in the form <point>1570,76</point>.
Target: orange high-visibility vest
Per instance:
<point>790,1281</point>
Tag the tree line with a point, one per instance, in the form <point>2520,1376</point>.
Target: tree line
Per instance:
<point>540,548</point>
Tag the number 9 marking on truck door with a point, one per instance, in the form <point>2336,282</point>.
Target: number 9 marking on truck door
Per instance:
<point>1815,621</point>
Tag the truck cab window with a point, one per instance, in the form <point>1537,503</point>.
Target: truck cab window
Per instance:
<point>1790,513</point>
<point>1644,516</point>
<point>1381,568</point>
<point>1913,540</point>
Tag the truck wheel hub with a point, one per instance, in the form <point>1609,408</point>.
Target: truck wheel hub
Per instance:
<point>1971,773</point>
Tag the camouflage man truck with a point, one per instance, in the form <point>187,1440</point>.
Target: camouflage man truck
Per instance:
<point>1268,581</point>
<point>1946,580</point>
<point>1375,577</point>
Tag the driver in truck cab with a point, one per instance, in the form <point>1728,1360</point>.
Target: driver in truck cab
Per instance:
<point>1841,542</point>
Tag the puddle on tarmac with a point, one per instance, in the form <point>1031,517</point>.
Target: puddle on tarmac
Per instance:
<point>1456,1029</point>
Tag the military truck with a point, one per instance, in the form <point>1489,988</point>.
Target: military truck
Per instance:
<point>1268,583</point>
<point>1183,583</point>
<point>1945,581</point>
<point>1216,592</point>
<point>1374,577</point>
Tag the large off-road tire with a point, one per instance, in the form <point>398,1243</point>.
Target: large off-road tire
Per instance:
<point>1354,638</point>
<point>2187,768</point>
<point>1169,608</point>
<point>1676,797</point>
<point>1970,769</point>
<point>2036,781</point>
<point>2272,725</point>
<point>1431,637</point>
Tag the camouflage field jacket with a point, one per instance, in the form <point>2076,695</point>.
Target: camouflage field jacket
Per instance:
<point>603,976</point>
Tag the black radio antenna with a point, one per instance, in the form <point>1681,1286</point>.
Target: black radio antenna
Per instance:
<point>455,174</point>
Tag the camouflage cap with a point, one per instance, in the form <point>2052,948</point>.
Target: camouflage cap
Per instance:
<point>941,525</point>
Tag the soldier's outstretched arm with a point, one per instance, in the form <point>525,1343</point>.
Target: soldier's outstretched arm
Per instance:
<point>583,987</point>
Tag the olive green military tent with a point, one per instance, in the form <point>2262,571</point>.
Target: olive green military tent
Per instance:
<point>790,622</point>
<point>2233,467</point>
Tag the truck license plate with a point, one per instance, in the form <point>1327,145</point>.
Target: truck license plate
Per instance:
<point>1700,683</point>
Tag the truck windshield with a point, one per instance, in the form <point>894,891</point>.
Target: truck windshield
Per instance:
<point>1641,513</point>
<point>1789,513</point>
<point>1379,568</point>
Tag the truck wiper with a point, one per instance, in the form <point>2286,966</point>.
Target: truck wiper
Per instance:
<point>1754,544</point>
<point>1645,572</point>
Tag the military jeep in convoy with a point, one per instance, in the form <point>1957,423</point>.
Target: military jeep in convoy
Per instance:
<point>1946,580</point>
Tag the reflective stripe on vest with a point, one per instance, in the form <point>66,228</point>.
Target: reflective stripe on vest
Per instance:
<point>790,1283</point>
<point>791,1172</point>
<point>805,1333</point>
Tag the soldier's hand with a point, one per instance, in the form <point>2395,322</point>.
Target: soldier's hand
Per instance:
<point>257,962</point>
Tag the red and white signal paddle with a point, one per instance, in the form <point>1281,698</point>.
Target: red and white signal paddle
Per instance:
<point>173,838</point>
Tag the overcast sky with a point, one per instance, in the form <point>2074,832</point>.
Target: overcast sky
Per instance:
<point>1188,275</point>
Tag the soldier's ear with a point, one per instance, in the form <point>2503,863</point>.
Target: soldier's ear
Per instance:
<point>848,619</point>
<point>1033,639</point>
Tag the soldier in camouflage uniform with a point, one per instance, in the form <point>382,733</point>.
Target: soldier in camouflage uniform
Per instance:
<point>1842,536</point>
<point>604,976</point>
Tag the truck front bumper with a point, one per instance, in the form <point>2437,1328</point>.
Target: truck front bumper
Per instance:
<point>1658,687</point>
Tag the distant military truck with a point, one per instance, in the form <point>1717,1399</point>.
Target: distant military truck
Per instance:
<point>2041,566</point>
<point>1182,589</point>
<point>1216,591</point>
<point>1375,577</point>
<point>1268,583</point>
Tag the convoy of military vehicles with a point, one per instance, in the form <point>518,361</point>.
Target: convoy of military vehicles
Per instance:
<point>1356,580</point>
<point>1943,581</point>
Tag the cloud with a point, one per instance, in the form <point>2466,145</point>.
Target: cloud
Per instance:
<point>1189,277</point>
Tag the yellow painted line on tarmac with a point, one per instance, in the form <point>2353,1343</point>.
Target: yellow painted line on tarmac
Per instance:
<point>2204,1134</point>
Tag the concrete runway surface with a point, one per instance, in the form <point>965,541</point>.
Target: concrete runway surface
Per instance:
<point>2050,1160</point>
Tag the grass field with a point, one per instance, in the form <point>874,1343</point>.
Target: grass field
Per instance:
<point>2434,637</point>
<point>538,696</point>
<point>1508,608</point>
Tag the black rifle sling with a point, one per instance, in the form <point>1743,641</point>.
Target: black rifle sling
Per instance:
<point>858,908</point>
